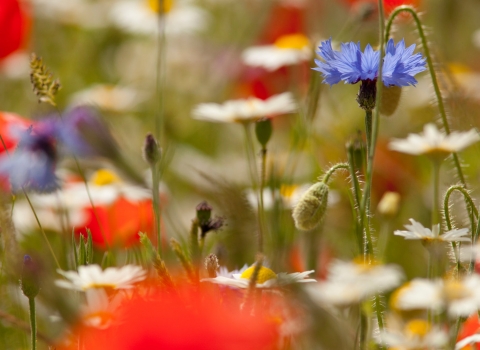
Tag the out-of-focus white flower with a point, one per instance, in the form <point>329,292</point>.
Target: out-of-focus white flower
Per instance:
<point>389,204</point>
<point>249,110</point>
<point>142,17</point>
<point>266,278</point>
<point>459,297</point>
<point>99,311</point>
<point>92,276</point>
<point>417,231</point>
<point>15,65</point>
<point>109,97</point>
<point>288,195</point>
<point>351,282</point>
<point>84,13</point>
<point>287,50</point>
<point>433,142</point>
<point>417,334</point>
<point>105,188</point>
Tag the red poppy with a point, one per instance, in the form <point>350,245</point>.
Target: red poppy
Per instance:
<point>119,222</point>
<point>11,123</point>
<point>189,320</point>
<point>389,5</point>
<point>470,327</point>
<point>13,26</point>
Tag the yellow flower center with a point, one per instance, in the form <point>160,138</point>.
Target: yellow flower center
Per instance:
<point>264,274</point>
<point>160,6</point>
<point>417,328</point>
<point>287,191</point>
<point>104,177</point>
<point>292,41</point>
<point>455,290</point>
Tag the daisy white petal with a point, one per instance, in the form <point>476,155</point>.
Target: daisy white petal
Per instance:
<point>432,141</point>
<point>92,276</point>
<point>249,110</point>
<point>417,231</point>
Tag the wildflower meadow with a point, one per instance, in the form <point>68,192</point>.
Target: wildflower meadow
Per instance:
<point>249,174</point>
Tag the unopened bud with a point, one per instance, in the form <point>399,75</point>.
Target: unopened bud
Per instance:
<point>151,151</point>
<point>211,265</point>
<point>310,209</point>
<point>263,130</point>
<point>204,212</point>
<point>389,204</point>
<point>30,278</point>
<point>390,98</point>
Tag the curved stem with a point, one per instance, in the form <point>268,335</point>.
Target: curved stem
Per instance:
<point>333,169</point>
<point>433,75</point>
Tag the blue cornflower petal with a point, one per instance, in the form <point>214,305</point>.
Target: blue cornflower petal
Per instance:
<point>370,59</point>
<point>400,66</point>
<point>351,65</point>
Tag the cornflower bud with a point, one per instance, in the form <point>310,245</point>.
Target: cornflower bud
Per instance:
<point>29,281</point>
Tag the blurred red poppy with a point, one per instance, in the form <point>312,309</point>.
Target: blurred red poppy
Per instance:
<point>13,26</point>
<point>470,327</point>
<point>9,124</point>
<point>187,320</point>
<point>120,222</point>
<point>389,5</point>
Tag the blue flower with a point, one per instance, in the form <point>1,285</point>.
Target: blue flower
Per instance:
<point>32,165</point>
<point>352,65</point>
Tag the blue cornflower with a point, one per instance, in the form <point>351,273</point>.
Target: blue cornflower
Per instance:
<point>352,65</point>
<point>32,165</point>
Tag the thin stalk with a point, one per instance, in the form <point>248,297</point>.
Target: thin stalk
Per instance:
<point>261,209</point>
<point>156,206</point>
<point>33,323</point>
<point>333,169</point>
<point>356,199</point>
<point>160,71</point>
<point>436,185</point>
<point>254,175</point>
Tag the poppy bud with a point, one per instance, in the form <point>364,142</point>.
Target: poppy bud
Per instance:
<point>310,209</point>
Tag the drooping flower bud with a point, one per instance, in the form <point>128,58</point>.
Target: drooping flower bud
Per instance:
<point>29,281</point>
<point>310,209</point>
<point>263,130</point>
<point>151,151</point>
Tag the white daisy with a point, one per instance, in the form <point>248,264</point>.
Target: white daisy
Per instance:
<point>84,13</point>
<point>459,297</point>
<point>249,110</point>
<point>417,231</point>
<point>418,294</point>
<point>351,282</point>
<point>434,142</point>
<point>92,276</point>
<point>287,50</point>
<point>266,278</point>
<point>416,334</point>
<point>109,97</point>
<point>99,311</point>
<point>142,17</point>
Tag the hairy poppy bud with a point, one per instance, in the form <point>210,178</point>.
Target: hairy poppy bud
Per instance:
<point>310,209</point>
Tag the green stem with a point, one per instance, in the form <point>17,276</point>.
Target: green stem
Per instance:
<point>333,169</point>
<point>261,209</point>
<point>436,185</point>
<point>156,206</point>
<point>356,198</point>
<point>254,175</point>
<point>33,323</point>
<point>160,71</point>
